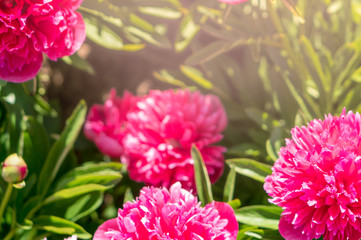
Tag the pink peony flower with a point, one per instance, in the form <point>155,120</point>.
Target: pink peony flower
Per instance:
<point>175,214</point>
<point>317,180</point>
<point>161,130</point>
<point>105,125</point>
<point>232,1</point>
<point>29,28</point>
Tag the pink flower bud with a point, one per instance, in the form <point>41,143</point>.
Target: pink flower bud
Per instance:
<point>14,169</point>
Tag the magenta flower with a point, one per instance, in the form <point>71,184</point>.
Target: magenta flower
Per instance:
<point>105,125</point>
<point>232,1</point>
<point>175,214</point>
<point>29,28</point>
<point>161,130</point>
<point>317,180</point>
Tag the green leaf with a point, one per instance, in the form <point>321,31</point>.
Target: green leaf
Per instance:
<point>302,104</point>
<point>264,234</point>
<point>197,76</point>
<point>141,23</point>
<point>166,13</point>
<point>29,206</point>
<point>153,38</point>
<point>315,61</point>
<point>207,53</point>
<point>270,150</point>
<point>80,63</point>
<point>43,106</point>
<point>128,196</point>
<point>16,127</point>
<point>102,34</point>
<point>235,204</point>
<point>84,206</point>
<point>109,19</point>
<point>203,184</point>
<point>261,216</point>
<point>165,76</point>
<point>133,47</point>
<point>75,208</point>
<point>61,148</point>
<point>250,168</point>
<point>105,173</point>
<point>241,233</point>
<point>74,192</point>
<point>187,31</point>
<point>58,225</point>
<point>229,186</point>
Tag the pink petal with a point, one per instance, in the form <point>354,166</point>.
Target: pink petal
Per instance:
<point>109,225</point>
<point>27,72</point>
<point>288,232</point>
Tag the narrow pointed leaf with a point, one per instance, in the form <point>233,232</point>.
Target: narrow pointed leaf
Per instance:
<point>259,215</point>
<point>203,183</point>
<point>74,192</point>
<point>102,34</point>
<point>250,168</point>
<point>59,225</point>
<point>61,148</point>
<point>196,76</point>
<point>229,186</point>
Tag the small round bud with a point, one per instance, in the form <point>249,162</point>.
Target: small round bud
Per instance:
<point>14,169</point>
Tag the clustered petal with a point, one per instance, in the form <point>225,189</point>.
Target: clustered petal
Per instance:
<point>154,134</point>
<point>162,129</point>
<point>317,180</point>
<point>174,214</point>
<point>106,124</point>
<point>29,28</point>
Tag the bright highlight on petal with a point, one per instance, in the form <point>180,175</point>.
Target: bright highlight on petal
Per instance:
<point>175,214</point>
<point>316,180</point>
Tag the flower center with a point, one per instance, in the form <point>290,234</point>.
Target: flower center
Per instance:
<point>173,142</point>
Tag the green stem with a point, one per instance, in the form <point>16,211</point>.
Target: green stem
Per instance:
<point>299,66</point>
<point>5,201</point>
<point>10,235</point>
<point>348,21</point>
<point>227,12</point>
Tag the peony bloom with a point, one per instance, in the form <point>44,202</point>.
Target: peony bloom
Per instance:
<point>29,28</point>
<point>232,1</point>
<point>161,130</point>
<point>175,214</point>
<point>105,125</point>
<point>317,180</point>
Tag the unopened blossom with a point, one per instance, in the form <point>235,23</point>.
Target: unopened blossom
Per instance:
<point>174,214</point>
<point>14,169</point>
<point>30,28</point>
<point>317,180</point>
<point>106,124</point>
<point>163,126</point>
